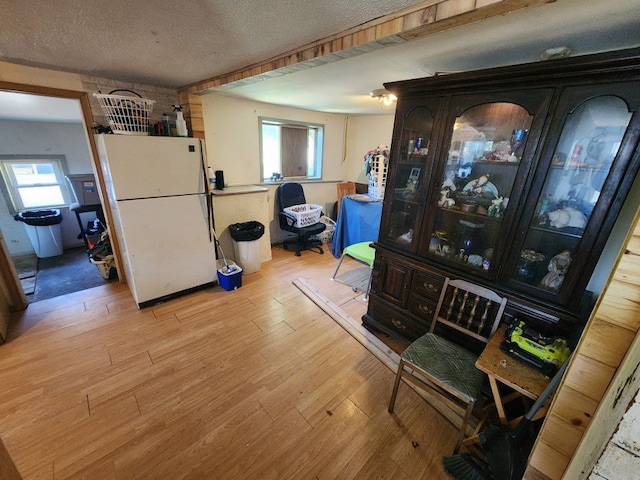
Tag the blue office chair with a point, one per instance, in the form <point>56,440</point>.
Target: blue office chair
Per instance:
<point>289,194</point>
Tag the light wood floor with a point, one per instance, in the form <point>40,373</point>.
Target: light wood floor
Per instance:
<point>256,383</point>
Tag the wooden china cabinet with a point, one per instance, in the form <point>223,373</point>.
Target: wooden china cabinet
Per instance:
<point>510,177</point>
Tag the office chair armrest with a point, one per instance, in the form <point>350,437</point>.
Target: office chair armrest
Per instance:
<point>288,218</point>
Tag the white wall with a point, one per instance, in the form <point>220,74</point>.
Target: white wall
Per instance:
<point>365,133</point>
<point>39,138</point>
<point>231,131</point>
<point>233,146</point>
<point>616,239</point>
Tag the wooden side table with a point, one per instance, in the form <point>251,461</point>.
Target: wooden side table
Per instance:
<point>515,374</point>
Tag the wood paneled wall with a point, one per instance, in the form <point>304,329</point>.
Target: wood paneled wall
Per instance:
<point>192,112</point>
<point>606,340</point>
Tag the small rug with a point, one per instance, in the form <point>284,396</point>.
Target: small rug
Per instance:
<point>66,273</point>
<point>357,278</point>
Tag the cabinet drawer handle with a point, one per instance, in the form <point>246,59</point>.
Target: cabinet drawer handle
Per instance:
<point>398,324</point>
<point>425,309</point>
<point>430,286</point>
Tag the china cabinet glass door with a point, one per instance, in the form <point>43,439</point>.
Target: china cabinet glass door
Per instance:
<point>413,165</point>
<point>484,156</point>
<point>575,181</point>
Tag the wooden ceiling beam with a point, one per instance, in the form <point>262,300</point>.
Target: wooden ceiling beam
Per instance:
<point>426,18</point>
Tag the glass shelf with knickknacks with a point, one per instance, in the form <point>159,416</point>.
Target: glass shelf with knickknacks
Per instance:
<point>530,271</point>
<point>572,190</point>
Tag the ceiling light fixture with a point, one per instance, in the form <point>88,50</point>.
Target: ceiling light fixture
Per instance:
<point>383,95</point>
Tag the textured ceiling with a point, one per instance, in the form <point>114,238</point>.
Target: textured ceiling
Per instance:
<point>584,26</point>
<point>171,42</point>
<point>175,43</point>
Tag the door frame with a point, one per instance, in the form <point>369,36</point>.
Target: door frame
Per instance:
<point>16,297</point>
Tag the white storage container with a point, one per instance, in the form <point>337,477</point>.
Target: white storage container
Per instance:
<point>306,214</point>
<point>377,176</point>
<point>46,240</point>
<point>248,255</point>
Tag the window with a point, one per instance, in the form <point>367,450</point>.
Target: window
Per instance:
<point>34,182</point>
<point>290,149</point>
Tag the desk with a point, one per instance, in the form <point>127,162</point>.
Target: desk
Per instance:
<point>358,221</point>
<point>237,204</point>
<point>503,368</point>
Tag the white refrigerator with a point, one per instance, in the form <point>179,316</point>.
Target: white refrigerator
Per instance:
<point>161,213</point>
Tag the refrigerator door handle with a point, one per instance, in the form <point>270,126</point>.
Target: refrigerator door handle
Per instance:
<point>210,217</point>
<point>203,168</point>
<point>209,200</point>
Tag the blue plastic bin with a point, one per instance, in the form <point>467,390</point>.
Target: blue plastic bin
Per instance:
<point>230,275</point>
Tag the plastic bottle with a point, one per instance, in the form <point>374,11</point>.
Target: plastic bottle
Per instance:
<point>181,125</point>
<point>212,178</point>
<point>166,127</point>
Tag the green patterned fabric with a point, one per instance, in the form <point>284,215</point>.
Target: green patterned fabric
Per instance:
<point>450,363</point>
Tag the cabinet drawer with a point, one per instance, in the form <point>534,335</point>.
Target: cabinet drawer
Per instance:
<point>396,322</point>
<point>422,307</point>
<point>427,285</point>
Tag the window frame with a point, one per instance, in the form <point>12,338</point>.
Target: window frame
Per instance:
<point>11,190</point>
<point>318,148</point>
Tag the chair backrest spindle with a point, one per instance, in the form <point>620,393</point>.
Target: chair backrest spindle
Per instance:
<point>485,314</point>
<point>463,304</point>
<point>472,313</point>
<point>451,303</point>
<point>470,309</point>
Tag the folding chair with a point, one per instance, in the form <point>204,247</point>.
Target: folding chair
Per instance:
<point>362,252</point>
<point>466,311</point>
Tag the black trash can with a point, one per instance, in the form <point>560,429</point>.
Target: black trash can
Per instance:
<point>44,230</point>
<point>246,244</point>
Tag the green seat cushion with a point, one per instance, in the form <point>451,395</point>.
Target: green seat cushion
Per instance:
<point>452,364</point>
<point>362,252</point>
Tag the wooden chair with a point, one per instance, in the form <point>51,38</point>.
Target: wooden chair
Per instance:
<point>345,188</point>
<point>466,314</point>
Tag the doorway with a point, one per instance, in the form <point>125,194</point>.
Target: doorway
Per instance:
<point>38,123</point>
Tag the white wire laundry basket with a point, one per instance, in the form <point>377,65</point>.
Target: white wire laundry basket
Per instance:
<point>305,214</point>
<point>327,235</point>
<point>127,115</point>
